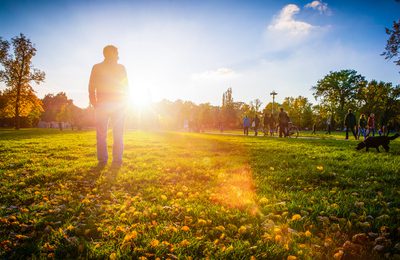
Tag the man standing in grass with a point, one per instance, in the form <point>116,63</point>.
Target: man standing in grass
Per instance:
<point>371,124</point>
<point>362,125</point>
<point>283,119</point>
<point>246,125</point>
<point>256,125</point>
<point>350,124</point>
<point>328,125</point>
<point>108,91</point>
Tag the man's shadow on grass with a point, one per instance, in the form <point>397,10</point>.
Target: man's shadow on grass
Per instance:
<point>104,176</point>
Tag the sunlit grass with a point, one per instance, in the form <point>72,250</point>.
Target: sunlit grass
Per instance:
<point>199,195</point>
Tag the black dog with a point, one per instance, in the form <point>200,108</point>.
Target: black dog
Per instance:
<point>376,141</point>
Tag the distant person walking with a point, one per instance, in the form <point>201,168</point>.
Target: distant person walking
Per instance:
<point>256,125</point>
<point>384,125</point>
<point>328,125</point>
<point>272,125</point>
<point>362,126</point>
<point>314,128</point>
<point>266,124</point>
<point>108,91</point>
<point>283,120</point>
<point>371,124</point>
<point>246,125</point>
<point>350,124</point>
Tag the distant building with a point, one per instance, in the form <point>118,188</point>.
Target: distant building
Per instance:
<point>53,124</point>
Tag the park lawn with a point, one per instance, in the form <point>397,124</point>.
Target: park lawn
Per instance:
<point>181,195</point>
<point>302,133</point>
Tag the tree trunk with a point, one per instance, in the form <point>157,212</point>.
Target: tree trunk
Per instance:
<point>19,86</point>
<point>17,119</point>
<point>342,114</point>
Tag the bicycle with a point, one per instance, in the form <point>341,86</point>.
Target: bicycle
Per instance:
<point>293,130</point>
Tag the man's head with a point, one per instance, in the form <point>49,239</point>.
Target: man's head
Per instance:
<point>281,109</point>
<point>110,53</point>
<point>350,110</point>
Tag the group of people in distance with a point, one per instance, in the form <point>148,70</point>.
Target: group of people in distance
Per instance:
<point>365,126</point>
<point>269,124</point>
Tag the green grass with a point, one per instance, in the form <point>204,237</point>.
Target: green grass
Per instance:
<point>182,195</point>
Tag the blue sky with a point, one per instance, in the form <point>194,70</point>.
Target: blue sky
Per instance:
<point>195,50</point>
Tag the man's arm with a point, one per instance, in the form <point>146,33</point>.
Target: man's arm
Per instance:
<point>92,87</point>
<point>125,83</point>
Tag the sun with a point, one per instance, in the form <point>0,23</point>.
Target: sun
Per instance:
<point>140,98</point>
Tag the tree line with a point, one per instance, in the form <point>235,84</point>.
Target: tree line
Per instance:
<point>336,92</point>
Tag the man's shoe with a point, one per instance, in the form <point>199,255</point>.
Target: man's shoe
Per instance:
<point>116,164</point>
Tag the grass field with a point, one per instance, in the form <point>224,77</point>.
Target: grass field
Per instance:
<point>181,195</point>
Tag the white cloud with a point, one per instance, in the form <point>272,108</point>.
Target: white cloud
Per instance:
<point>220,73</point>
<point>319,6</point>
<point>286,23</point>
<point>285,31</point>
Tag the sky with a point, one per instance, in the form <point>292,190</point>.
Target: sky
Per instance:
<point>196,50</point>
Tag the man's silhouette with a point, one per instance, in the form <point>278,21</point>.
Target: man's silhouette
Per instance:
<point>350,124</point>
<point>283,120</point>
<point>108,91</point>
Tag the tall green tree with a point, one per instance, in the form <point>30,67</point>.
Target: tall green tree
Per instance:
<point>392,49</point>
<point>372,97</point>
<point>71,114</point>
<point>53,104</point>
<point>3,104</point>
<point>380,98</point>
<point>272,107</point>
<point>255,106</point>
<point>227,110</point>
<point>299,110</point>
<point>18,73</point>
<point>337,92</point>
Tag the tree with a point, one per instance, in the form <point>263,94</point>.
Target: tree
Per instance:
<point>255,106</point>
<point>268,108</point>
<point>299,110</point>
<point>205,117</point>
<point>337,92</point>
<point>18,72</point>
<point>3,104</point>
<point>53,104</point>
<point>227,109</point>
<point>380,98</point>
<point>30,106</point>
<point>392,49</point>
<point>71,114</point>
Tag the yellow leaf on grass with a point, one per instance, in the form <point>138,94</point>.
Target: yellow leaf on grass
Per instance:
<point>113,256</point>
<point>220,228</point>
<point>154,243</point>
<point>201,222</point>
<point>184,243</point>
<point>296,217</point>
<point>21,237</point>
<point>263,201</point>
<point>242,230</point>
<point>131,236</point>
<point>185,228</point>
<point>338,255</point>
